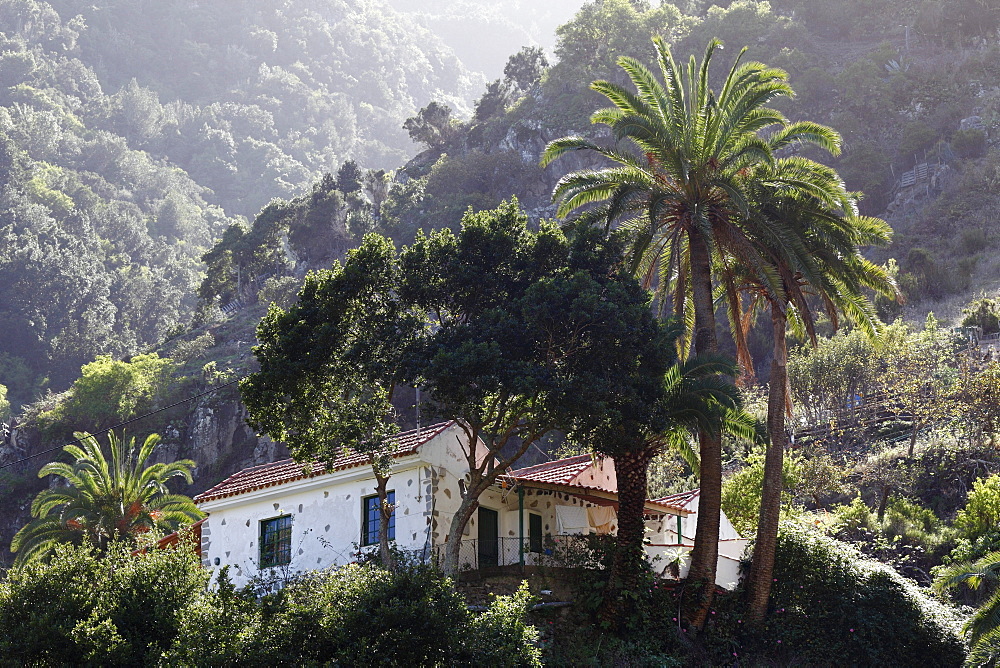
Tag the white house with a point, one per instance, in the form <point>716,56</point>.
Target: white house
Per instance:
<point>281,518</point>
<point>681,539</point>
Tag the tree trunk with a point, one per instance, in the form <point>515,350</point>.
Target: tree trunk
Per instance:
<point>884,501</point>
<point>453,545</point>
<point>705,554</point>
<point>632,470</point>
<point>913,437</point>
<point>385,512</point>
<point>762,564</point>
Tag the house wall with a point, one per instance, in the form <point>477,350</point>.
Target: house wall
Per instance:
<point>326,520</point>
<point>327,513</point>
<point>601,474</point>
<point>666,546</point>
<point>726,529</point>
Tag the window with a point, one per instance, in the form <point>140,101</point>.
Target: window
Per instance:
<point>276,541</point>
<point>370,519</point>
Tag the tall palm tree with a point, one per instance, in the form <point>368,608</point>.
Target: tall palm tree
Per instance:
<point>105,501</point>
<point>834,272</point>
<point>681,185</point>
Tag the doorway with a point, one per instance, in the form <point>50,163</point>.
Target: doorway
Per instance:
<point>489,537</point>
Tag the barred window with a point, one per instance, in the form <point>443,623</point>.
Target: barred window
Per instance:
<point>276,541</point>
<point>370,519</point>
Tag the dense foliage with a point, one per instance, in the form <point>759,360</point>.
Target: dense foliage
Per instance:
<point>828,605</point>
<point>82,607</point>
<point>125,145</point>
<point>153,607</point>
<point>119,172</point>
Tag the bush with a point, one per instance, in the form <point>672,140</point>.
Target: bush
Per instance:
<point>358,615</point>
<point>831,607</point>
<point>982,511</point>
<point>222,627</point>
<point>109,391</point>
<point>118,610</point>
<point>982,312</point>
<point>741,492</point>
<point>364,615</point>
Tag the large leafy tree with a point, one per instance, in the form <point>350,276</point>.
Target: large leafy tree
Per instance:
<point>104,501</point>
<point>511,332</point>
<point>531,331</point>
<point>680,183</point>
<point>331,363</point>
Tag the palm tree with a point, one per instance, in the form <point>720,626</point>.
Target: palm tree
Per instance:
<point>982,630</point>
<point>105,501</point>
<point>833,270</point>
<point>652,410</point>
<point>684,194</point>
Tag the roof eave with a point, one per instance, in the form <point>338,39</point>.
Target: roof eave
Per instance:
<point>600,495</point>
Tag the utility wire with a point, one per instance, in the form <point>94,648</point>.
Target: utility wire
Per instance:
<point>122,424</point>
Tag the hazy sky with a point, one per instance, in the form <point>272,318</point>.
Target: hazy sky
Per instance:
<point>483,35</point>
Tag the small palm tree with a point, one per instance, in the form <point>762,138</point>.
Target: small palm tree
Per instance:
<point>983,628</point>
<point>654,410</point>
<point>105,501</point>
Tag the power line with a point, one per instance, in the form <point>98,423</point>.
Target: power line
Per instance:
<point>122,424</point>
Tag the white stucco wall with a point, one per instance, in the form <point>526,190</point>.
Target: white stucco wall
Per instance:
<point>601,474</point>
<point>326,516</point>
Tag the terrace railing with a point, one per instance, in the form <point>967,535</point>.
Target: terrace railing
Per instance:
<point>550,551</point>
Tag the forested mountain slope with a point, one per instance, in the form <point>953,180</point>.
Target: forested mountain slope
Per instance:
<point>136,134</point>
<point>258,99</point>
<point>133,131</point>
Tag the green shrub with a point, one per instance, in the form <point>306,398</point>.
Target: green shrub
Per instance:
<point>223,627</point>
<point>358,615</point>
<point>118,610</point>
<point>363,615</point>
<point>107,392</point>
<point>982,312</point>
<point>741,492</point>
<point>982,511</point>
<point>500,636</point>
<point>831,607</point>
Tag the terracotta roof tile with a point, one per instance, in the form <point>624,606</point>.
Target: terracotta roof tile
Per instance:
<point>288,470</point>
<point>560,472</point>
<point>680,499</point>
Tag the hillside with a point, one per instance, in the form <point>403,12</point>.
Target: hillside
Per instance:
<point>134,187</point>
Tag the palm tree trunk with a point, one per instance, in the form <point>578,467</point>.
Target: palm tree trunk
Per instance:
<point>762,564</point>
<point>632,469</point>
<point>705,554</point>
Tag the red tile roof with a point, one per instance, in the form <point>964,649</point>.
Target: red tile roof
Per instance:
<point>288,470</point>
<point>560,472</point>
<point>564,472</point>
<point>680,499</point>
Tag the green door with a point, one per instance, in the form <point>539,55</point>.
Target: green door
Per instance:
<point>489,537</point>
